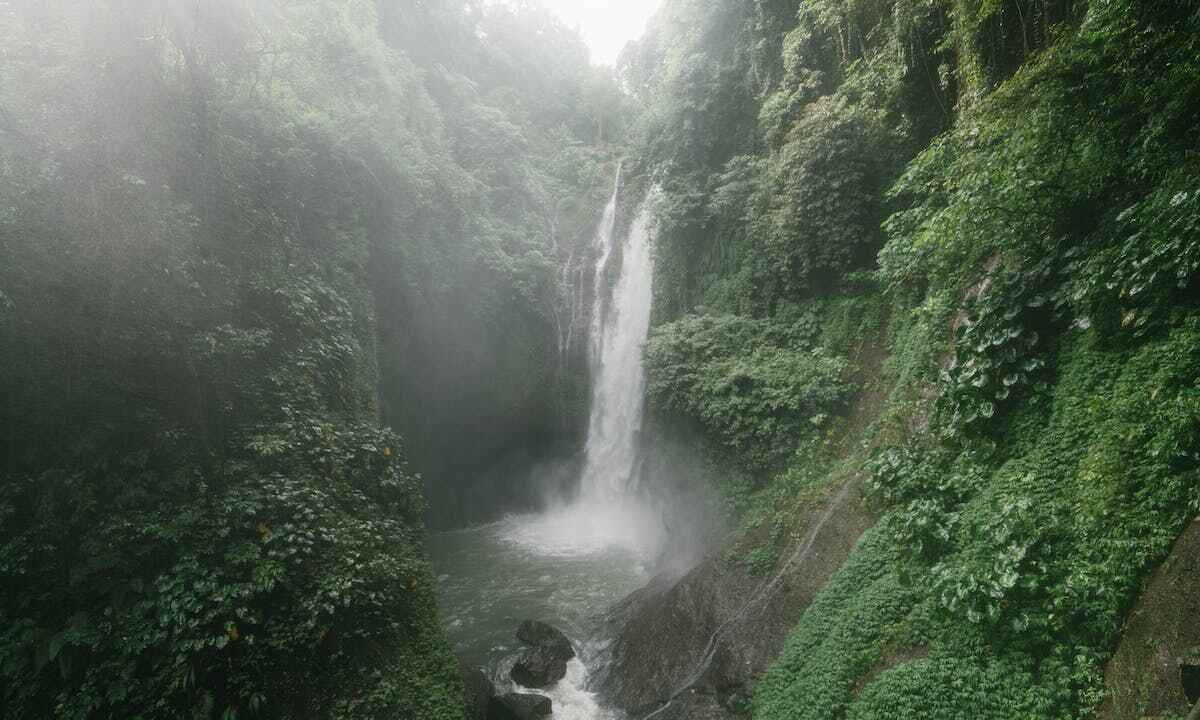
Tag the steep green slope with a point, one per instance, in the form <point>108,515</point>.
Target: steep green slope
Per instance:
<point>214,217</point>
<point>1009,191</point>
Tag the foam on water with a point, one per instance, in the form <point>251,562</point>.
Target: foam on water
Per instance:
<point>569,699</point>
<point>588,527</point>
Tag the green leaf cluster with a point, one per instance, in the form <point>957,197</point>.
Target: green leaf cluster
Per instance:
<point>1031,168</point>
<point>757,388</point>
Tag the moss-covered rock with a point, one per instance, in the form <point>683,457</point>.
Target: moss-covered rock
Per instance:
<point>1152,672</point>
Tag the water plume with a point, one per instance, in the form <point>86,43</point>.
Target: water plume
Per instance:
<point>608,511</point>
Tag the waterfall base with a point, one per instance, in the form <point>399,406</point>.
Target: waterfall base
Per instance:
<point>590,526</point>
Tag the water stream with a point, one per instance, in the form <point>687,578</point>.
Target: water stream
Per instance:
<point>570,564</point>
<point>493,577</point>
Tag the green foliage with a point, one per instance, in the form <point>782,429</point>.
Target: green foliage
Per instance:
<point>1040,447</point>
<point>1147,274</point>
<point>1016,566</point>
<point>757,388</point>
<point>840,638</point>
<point>774,161</point>
<point>943,688</point>
<point>999,348</point>
<point>993,37</point>
<point>929,492</point>
<point>234,235</point>
<point>816,212</point>
<point>510,160</point>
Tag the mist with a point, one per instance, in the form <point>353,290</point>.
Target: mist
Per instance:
<point>605,360</point>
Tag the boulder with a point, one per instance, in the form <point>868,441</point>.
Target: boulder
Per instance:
<point>544,662</point>
<point>519,706</point>
<point>1155,671</point>
<point>539,668</point>
<point>478,691</point>
<point>546,637</point>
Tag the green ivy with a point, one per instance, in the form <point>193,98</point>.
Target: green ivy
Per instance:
<point>758,388</point>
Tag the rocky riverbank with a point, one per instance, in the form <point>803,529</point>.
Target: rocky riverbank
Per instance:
<point>692,647</point>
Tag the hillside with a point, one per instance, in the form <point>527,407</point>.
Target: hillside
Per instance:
<point>1002,197</point>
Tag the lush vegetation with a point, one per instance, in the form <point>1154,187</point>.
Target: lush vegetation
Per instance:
<point>273,273</point>
<point>234,237</point>
<point>754,386</point>
<point>1004,196</point>
<point>482,353</point>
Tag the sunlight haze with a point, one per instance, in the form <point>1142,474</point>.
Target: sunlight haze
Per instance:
<point>606,25</point>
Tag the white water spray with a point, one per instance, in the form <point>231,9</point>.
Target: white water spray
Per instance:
<point>607,512</point>
<point>619,330</point>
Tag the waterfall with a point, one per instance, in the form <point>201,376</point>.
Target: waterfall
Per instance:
<point>608,512</point>
<point>619,328</point>
<point>609,526</point>
<point>604,240</point>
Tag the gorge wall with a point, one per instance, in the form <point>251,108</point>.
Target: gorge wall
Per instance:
<point>948,250</point>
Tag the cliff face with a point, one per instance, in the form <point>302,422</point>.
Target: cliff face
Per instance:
<point>1156,669</point>
<point>694,647</point>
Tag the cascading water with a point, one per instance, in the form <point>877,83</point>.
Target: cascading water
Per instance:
<point>572,562</point>
<point>619,330</point>
<point>608,510</point>
<point>604,242</point>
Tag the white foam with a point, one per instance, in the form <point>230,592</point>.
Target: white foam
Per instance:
<point>570,700</point>
<point>587,527</point>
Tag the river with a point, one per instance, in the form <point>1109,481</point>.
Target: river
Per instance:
<point>527,567</point>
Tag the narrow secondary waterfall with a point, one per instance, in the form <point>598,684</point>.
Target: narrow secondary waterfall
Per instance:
<point>604,242</point>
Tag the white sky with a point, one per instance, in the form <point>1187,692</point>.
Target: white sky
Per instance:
<point>606,25</point>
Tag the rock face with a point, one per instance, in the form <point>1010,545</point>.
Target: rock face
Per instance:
<point>700,642</point>
<point>478,691</point>
<point>537,669</point>
<point>541,635</point>
<point>544,662</point>
<point>519,706</point>
<point>1156,668</point>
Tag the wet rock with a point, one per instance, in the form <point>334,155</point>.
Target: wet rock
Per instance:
<point>545,637</point>
<point>685,641</point>
<point>539,668</point>
<point>519,706</point>
<point>545,661</point>
<point>1153,672</point>
<point>478,691</point>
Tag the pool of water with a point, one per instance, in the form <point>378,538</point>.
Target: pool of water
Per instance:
<point>566,567</point>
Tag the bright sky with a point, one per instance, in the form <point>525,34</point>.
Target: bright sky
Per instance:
<point>606,25</point>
